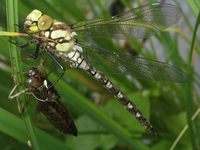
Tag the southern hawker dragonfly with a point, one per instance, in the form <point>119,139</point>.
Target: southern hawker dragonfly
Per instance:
<point>62,42</point>
<point>47,100</point>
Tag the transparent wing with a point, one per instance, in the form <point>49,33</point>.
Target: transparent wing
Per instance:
<point>136,23</point>
<point>137,67</point>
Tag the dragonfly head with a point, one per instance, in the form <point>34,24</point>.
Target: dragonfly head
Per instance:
<point>35,77</point>
<point>36,21</point>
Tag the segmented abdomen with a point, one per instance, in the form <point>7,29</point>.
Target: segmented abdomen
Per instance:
<point>52,108</point>
<point>130,106</point>
<point>57,114</point>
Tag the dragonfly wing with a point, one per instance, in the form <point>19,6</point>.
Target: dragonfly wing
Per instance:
<point>134,23</point>
<point>137,67</point>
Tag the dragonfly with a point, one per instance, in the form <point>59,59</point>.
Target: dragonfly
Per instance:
<point>47,100</point>
<point>62,42</point>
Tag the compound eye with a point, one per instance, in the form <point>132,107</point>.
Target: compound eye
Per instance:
<point>45,22</point>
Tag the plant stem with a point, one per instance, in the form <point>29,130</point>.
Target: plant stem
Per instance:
<point>12,19</point>
<point>188,91</point>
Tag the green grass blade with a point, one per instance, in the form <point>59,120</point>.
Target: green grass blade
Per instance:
<point>9,125</point>
<point>12,19</point>
<point>5,33</point>
<point>193,39</point>
<point>14,127</point>
<point>194,6</point>
<point>188,90</point>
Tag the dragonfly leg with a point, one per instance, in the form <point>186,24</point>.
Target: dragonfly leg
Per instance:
<point>58,64</point>
<point>16,95</point>
<point>24,45</point>
<point>12,95</point>
<point>54,66</point>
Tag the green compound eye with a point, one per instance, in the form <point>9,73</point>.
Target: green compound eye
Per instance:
<point>45,22</point>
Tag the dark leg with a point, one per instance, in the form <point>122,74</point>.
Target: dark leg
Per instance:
<point>52,69</point>
<point>58,65</point>
<point>37,51</point>
<point>24,45</point>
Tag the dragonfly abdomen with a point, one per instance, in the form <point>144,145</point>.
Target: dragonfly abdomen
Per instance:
<point>122,98</point>
<point>58,116</point>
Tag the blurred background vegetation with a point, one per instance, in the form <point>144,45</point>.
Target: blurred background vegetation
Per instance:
<point>103,124</point>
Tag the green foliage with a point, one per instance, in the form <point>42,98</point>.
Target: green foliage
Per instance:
<point>103,124</point>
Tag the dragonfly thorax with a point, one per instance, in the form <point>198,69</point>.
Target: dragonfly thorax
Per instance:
<point>58,38</point>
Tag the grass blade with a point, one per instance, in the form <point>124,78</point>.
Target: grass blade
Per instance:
<point>12,19</point>
<point>14,127</point>
<point>188,90</point>
<point>5,33</point>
